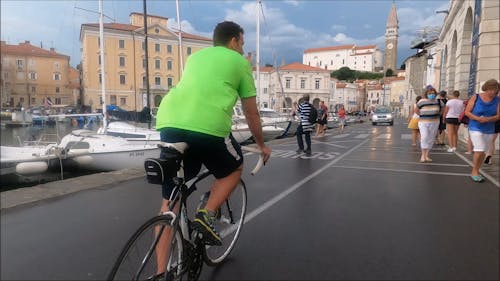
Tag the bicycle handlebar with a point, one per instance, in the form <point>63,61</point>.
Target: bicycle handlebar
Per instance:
<point>260,162</point>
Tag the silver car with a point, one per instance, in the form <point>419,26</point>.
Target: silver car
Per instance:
<point>382,114</point>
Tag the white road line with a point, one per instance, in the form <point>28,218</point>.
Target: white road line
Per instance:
<point>268,204</point>
<point>340,136</point>
<point>406,136</point>
<point>384,136</point>
<point>492,179</point>
<point>362,136</point>
<point>406,162</point>
<point>401,170</point>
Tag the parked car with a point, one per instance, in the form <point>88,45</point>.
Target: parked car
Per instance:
<point>333,117</point>
<point>382,114</point>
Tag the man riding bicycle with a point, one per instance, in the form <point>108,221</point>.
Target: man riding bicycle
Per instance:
<point>198,111</point>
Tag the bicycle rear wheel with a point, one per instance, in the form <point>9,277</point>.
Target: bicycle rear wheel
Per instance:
<point>143,254</point>
<point>230,219</point>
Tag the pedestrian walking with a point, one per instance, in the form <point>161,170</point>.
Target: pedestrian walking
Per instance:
<point>452,111</point>
<point>322,119</point>
<point>305,127</point>
<point>429,110</point>
<point>483,111</point>
<point>342,117</point>
<point>489,156</point>
<point>441,135</point>
<point>413,122</point>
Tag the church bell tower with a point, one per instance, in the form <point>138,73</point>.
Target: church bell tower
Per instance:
<point>391,40</point>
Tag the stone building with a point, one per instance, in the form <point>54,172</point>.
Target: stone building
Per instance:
<point>125,61</point>
<point>33,76</point>
<point>361,58</point>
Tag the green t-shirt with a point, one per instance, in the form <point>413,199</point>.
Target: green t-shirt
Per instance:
<point>203,101</point>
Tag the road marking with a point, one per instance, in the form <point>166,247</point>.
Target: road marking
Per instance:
<point>268,204</point>
<point>401,170</point>
<point>384,136</point>
<point>492,179</point>
<point>340,136</point>
<point>361,136</point>
<point>407,162</point>
<point>406,136</point>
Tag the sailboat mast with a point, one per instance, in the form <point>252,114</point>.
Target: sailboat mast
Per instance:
<point>180,37</point>
<point>145,21</point>
<point>257,57</point>
<point>103,67</point>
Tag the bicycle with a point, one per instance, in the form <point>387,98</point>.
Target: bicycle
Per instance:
<point>139,258</point>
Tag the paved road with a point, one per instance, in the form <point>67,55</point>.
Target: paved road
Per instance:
<point>361,207</point>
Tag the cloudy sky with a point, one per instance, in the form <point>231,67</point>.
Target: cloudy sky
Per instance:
<point>288,27</point>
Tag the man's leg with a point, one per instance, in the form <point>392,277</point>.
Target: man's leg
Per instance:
<point>299,138</point>
<point>222,188</point>
<point>308,142</point>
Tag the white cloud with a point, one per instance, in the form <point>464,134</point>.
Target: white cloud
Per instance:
<point>292,2</point>
<point>186,26</point>
<point>338,27</point>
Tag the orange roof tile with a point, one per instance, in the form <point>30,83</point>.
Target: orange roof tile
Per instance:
<point>29,50</point>
<point>297,66</point>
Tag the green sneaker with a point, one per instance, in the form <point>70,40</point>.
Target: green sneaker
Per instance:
<point>204,223</point>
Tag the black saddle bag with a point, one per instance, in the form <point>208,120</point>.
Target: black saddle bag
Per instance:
<point>158,170</point>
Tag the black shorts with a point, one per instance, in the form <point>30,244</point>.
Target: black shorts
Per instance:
<point>221,156</point>
<point>453,121</point>
<point>322,121</point>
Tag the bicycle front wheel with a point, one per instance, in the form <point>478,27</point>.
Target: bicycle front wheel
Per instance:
<point>230,219</point>
<point>155,250</point>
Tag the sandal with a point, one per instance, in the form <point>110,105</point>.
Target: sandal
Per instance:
<point>477,178</point>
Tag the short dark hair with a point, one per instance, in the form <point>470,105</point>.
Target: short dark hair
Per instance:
<point>226,30</point>
<point>306,97</point>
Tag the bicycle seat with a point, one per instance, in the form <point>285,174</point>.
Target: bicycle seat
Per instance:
<point>178,146</point>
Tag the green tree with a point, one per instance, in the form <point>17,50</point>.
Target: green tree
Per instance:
<point>389,73</point>
<point>344,73</point>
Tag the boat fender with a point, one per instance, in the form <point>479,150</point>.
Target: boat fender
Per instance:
<point>30,168</point>
<point>83,160</point>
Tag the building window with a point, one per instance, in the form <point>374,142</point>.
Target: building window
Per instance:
<point>302,83</point>
<point>58,101</point>
<point>33,75</point>
<point>157,47</point>
<point>122,79</point>
<point>56,65</point>
<point>157,81</point>
<point>33,89</point>
<point>98,42</point>
<point>169,65</point>
<point>99,58</point>
<point>157,64</point>
<point>123,101</point>
<point>331,62</point>
<point>316,84</point>
<point>122,61</point>
<point>143,46</point>
<point>112,99</point>
<point>343,62</point>
<point>143,63</point>
<point>265,90</point>
<point>33,100</point>
<point>100,78</point>
<point>288,82</point>
<point>20,63</point>
<point>57,89</point>
<point>121,44</point>
<point>188,50</point>
<point>169,49</point>
<point>57,76</point>
<point>169,82</point>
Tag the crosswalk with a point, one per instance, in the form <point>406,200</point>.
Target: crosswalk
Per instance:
<point>362,135</point>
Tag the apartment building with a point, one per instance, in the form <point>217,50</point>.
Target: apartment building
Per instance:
<point>289,83</point>
<point>33,76</point>
<point>125,61</point>
<point>361,58</point>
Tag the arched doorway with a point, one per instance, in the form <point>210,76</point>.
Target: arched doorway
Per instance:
<point>452,63</point>
<point>465,51</point>
<point>157,100</point>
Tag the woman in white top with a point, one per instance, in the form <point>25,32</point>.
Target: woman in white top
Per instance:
<point>453,108</point>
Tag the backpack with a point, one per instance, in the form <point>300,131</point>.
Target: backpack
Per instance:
<point>313,115</point>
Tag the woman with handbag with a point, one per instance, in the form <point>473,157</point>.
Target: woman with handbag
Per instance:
<point>413,122</point>
<point>483,111</point>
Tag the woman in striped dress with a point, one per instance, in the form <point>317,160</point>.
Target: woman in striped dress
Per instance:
<point>429,111</point>
<point>305,127</point>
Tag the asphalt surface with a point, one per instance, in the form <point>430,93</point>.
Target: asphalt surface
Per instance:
<point>361,207</point>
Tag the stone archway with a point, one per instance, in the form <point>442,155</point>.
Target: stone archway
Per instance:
<point>157,100</point>
<point>464,56</point>
<point>452,62</point>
